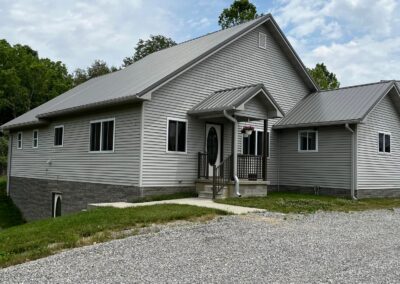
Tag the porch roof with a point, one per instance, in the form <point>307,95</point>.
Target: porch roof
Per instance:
<point>235,99</point>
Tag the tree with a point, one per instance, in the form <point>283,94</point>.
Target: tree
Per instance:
<point>325,79</point>
<point>240,11</point>
<point>98,68</point>
<point>27,81</point>
<point>144,48</point>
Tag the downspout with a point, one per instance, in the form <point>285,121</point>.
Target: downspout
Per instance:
<point>235,150</point>
<point>10,143</point>
<point>353,161</point>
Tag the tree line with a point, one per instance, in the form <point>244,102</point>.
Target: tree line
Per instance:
<point>27,81</point>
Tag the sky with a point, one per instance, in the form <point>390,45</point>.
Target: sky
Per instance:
<point>358,40</point>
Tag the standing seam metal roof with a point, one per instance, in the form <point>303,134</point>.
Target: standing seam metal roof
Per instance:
<point>349,104</point>
<point>144,75</point>
<point>231,98</point>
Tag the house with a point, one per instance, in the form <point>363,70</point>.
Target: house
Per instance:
<point>173,120</point>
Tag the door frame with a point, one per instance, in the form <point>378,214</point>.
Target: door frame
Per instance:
<point>222,137</point>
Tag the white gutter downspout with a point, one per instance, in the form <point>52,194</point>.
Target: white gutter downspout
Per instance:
<point>235,150</point>
<point>353,161</point>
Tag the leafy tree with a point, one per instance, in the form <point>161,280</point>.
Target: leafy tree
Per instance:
<point>98,68</point>
<point>144,48</point>
<point>240,11</point>
<point>3,154</point>
<point>27,81</point>
<point>325,79</point>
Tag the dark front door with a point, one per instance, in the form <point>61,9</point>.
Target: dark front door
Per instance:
<point>213,145</point>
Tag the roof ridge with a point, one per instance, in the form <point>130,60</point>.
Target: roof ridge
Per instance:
<point>237,88</point>
<point>355,86</point>
<point>220,30</point>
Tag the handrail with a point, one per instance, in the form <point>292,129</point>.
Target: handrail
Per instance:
<point>222,174</point>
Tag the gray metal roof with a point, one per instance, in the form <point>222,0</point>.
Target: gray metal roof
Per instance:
<point>146,74</point>
<point>232,98</point>
<point>344,105</point>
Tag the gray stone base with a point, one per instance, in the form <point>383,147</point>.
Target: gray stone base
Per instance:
<point>340,192</point>
<point>34,196</point>
<point>378,193</point>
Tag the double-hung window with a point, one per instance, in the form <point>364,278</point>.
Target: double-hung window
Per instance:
<point>384,142</point>
<point>35,139</point>
<point>254,144</point>
<point>59,136</point>
<point>308,141</point>
<point>19,140</point>
<point>102,135</point>
<point>176,135</point>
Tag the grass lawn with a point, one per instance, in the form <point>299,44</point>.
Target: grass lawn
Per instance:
<point>165,197</point>
<point>9,213</point>
<point>42,238</point>
<point>302,203</point>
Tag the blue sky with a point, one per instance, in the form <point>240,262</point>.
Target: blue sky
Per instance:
<point>359,40</point>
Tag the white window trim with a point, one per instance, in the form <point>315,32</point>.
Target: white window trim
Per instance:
<point>384,152</point>
<point>18,147</point>
<point>186,138</point>
<point>269,142</point>
<point>299,141</point>
<point>37,139</point>
<point>101,135</point>
<point>54,135</point>
<point>260,35</point>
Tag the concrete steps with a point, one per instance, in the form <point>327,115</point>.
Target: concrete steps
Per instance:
<point>207,192</point>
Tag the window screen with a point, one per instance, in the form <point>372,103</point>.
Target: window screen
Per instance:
<point>58,136</point>
<point>176,136</point>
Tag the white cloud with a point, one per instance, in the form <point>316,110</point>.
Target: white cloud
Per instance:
<point>357,39</point>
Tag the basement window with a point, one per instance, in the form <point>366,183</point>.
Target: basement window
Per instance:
<point>384,142</point>
<point>59,136</point>
<point>102,134</point>
<point>19,140</point>
<point>262,40</point>
<point>35,139</point>
<point>308,141</point>
<point>177,129</point>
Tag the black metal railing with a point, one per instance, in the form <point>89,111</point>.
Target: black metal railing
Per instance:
<point>250,167</point>
<point>202,167</point>
<point>222,174</point>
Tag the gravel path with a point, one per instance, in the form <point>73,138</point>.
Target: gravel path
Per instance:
<point>264,247</point>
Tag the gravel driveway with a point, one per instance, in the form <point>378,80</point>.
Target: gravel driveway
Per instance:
<point>263,247</point>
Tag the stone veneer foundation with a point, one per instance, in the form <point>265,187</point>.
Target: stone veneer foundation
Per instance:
<point>34,196</point>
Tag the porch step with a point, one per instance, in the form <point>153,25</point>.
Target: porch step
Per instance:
<point>207,192</point>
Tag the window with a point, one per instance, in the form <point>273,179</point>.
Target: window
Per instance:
<point>262,40</point>
<point>102,136</point>
<point>59,136</point>
<point>176,135</point>
<point>19,140</point>
<point>384,142</point>
<point>35,139</point>
<point>254,144</point>
<point>308,141</point>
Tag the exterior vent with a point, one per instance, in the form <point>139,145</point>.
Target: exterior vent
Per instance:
<point>262,40</point>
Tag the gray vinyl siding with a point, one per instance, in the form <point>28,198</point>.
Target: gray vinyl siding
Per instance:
<point>73,161</point>
<point>329,167</point>
<point>241,63</point>
<point>379,170</point>
<point>254,108</point>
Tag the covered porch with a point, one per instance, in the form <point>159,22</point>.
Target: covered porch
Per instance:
<point>229,116</point>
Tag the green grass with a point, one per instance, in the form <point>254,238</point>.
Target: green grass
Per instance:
<point>9,213</point>
<point>302,203</point>
<point>42,238</point>
<point>165,197</point>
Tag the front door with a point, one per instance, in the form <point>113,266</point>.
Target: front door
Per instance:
<point>213,145</point>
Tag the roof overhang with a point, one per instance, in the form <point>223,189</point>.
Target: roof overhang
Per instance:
<point>216,104</point>
<point>317,124</point>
